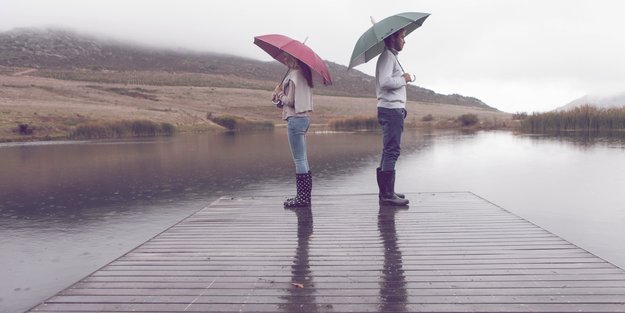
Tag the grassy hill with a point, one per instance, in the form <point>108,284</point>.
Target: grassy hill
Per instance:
<point>55,83</point>
<point>64,51</point>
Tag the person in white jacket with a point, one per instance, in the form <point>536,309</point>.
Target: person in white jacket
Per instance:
<point>390,85</point>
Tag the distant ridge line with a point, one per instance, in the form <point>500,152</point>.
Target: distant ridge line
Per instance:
<point>65,49</point>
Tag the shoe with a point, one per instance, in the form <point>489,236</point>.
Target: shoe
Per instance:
<point>377,172</point>
<point>303,184</point>
<point>387,190</point>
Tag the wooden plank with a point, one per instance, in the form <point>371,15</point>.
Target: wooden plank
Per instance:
<point>281,283</point>
<point>449,252</point>
<point>620,278</point>
<point>309,305</point>
<point>372,291</point>
<point>340,298</point>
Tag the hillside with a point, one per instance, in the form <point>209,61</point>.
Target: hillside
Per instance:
<point>64,52</point>
<point>611,101</point>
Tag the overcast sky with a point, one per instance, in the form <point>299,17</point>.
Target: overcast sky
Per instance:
<point>515,55</point>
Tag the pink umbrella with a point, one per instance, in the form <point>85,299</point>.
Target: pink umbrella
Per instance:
<point>277,45</point>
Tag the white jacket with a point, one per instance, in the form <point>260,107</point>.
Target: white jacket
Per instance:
<point>390,85</point>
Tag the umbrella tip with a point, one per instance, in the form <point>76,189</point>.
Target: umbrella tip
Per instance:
<point>372,20</point>
<point>305,39</point>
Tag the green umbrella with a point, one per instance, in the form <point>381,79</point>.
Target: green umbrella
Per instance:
<point>371,43</point>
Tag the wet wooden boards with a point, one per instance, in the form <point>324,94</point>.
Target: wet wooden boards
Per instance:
<point>447,252</point>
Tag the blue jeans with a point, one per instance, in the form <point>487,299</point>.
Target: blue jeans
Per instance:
<point>296,129</point>
<point>392,122</point>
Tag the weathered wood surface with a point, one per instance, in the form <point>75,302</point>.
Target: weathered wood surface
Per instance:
<point>449,252</point>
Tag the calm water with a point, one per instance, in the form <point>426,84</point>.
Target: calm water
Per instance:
<point>66,209</point>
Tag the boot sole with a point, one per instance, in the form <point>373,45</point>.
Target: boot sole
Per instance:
<point>390,203</point>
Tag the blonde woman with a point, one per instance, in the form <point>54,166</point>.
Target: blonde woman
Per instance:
<point>294,96</point>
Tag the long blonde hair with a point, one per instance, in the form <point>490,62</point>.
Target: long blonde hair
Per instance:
<point>293,62</point>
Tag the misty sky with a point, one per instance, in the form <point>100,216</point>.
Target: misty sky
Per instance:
<point>515,55</point>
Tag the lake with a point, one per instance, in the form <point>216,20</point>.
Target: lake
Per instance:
<point>68,208</point>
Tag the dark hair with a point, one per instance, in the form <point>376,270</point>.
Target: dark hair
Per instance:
<point>307,73</point>
<point>387,40</point>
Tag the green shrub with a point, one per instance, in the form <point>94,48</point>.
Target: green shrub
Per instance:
<point>168,129</point>
<point>469,119</point>
<point>227,121</point>
<point>235,123</point>
<point>25,129</point>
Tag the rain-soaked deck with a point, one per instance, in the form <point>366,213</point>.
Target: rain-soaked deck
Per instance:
<point>449,252</point>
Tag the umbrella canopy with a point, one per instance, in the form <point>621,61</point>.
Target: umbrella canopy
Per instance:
<point>278,45</point>
<point>371,43</point>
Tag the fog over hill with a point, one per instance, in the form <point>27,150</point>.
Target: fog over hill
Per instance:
<point>600,101</point>
<point>63,49</point>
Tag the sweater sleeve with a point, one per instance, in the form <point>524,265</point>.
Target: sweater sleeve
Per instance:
<point>385,75</point>
<point>288,98</point>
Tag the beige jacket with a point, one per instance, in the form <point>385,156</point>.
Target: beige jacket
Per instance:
<point>297,95</point>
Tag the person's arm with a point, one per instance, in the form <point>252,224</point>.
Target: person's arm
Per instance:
<point>288,98</point>
<point>385,72</point>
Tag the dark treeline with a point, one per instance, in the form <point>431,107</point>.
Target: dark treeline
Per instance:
<point>585,118</point>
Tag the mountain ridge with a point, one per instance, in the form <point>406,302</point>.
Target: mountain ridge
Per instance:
<point>66,49</point>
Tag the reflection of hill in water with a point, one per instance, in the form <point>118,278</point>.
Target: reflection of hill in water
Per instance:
<point>44,178</point>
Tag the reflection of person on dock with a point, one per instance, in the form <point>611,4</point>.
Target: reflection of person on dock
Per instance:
<point>300,297</point>
<point>393,295</point>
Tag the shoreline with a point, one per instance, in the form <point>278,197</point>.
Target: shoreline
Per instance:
<point>4,141</point>
<point>34,108</point>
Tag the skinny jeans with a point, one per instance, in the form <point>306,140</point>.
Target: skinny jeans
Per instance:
<point>297,126</point>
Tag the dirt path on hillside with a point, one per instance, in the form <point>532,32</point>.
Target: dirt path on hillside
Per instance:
<point>24,72</point>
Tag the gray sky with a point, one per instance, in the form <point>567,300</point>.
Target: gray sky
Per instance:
<point>515,55</point>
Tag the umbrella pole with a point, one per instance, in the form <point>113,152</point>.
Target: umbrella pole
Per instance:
<point>396,59</point>
<point>287,73</point>
<point>402,68</point>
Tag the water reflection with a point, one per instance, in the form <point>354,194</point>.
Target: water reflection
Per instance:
<point>584,139</point>
<point>72,208</point>
<point>301,292</point>
<point>65,183</point>
<point>393,294</point>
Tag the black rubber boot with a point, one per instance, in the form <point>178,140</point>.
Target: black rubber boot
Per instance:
<point>387,190</point>
<point>303,183</point>
<point>377,175</point>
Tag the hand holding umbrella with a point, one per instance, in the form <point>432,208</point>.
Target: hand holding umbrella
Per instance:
<point>276,91</point>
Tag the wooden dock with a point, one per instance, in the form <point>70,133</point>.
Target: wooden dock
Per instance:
<point>448,252</point>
